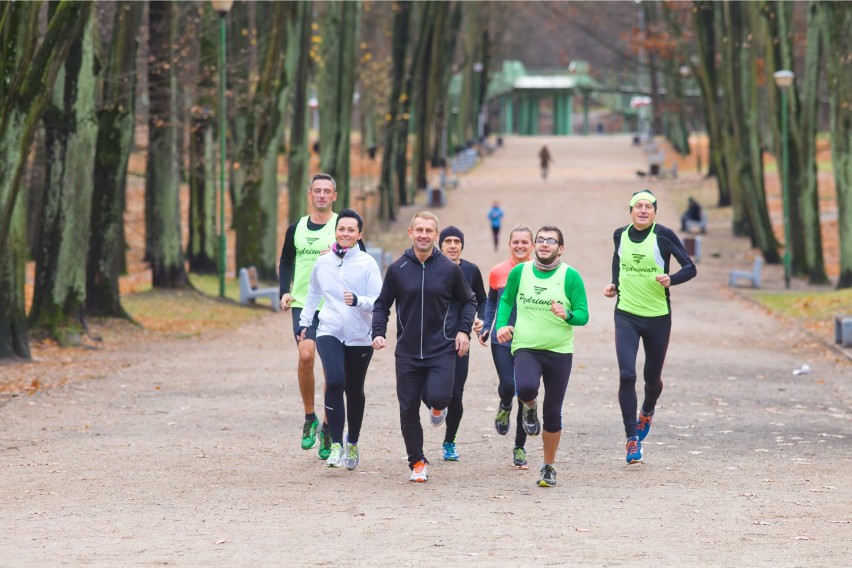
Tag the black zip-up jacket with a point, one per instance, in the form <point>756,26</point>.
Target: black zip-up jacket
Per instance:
<point>427,318</point>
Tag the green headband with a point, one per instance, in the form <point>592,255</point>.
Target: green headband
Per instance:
<point>642,195</point>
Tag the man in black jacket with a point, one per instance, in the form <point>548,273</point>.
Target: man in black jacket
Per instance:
<point>431,331</point>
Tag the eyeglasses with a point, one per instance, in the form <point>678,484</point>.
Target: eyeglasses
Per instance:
<point>548,240</point>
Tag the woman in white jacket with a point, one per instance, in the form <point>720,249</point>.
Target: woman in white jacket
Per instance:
<point>344,283</point>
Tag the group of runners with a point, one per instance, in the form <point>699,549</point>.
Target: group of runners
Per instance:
<point>341,306</point>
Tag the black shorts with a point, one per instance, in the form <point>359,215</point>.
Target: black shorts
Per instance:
<point>311,332</point>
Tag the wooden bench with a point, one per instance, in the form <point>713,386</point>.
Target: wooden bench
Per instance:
<point>249,292</point>
<point>843,330</point>
<point>752,276</point>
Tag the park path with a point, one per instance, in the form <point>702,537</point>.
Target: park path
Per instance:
<point>189,455</point>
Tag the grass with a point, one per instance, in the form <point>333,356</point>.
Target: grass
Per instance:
<point>815,310</point>
<point>186,313</point>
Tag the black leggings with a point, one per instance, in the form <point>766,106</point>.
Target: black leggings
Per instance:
<point>654,333</point>
<point>504,362</point>
<point>456,409</point>
<point>534,367</point>
<point>345,369</point>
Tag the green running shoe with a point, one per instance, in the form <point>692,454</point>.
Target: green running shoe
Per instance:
<point>502,420</point>
<point>309,434</point>
<point>324,447</point>
<point>519,458</point>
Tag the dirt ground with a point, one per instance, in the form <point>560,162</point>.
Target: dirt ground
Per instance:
<point>189,454</point>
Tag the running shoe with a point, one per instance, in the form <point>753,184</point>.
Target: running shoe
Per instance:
<point>324,448</point>
<point>530,422</point>
<point>548,476</point>
<point>309,434</point>
<point>352,456</point>
<point>336,456</point>
<point>644,425</point>
<point>519,458</point>
<point>502,420</point>
<point>450,453</point>
<point>437,419</point>
<point>634,450</point>
<point>418,472</point>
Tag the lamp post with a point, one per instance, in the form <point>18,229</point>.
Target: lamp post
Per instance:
<point>784,79</point>
<point>222,7</point>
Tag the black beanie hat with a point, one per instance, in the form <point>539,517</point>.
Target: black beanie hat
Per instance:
<point>450,231</point>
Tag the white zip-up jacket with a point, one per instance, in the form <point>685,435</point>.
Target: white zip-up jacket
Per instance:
<point>356,272</point>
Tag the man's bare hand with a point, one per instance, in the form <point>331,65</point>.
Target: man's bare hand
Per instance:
<point>505,334</point>
<point>286,300</point>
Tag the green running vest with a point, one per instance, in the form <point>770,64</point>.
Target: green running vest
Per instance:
<point>536,327</point>
<point>309,244</point>
<point>639,292</point>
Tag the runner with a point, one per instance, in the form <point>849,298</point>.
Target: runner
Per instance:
<point>643,310</point>
<point>495,216</point>
<point>304,241</point>
<point>520,249</point>
<point>451,243</point>
<point>551,301</point>
<point>431,333</point>
<point>348,282</point>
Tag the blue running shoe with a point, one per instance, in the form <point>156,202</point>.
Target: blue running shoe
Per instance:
<point>644,425</point>
<point>634,450</point>
<point>450,453</point>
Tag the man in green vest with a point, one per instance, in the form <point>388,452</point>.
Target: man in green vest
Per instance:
<point>641,279</point>
<point>550,298</point>
<point>304,242</point>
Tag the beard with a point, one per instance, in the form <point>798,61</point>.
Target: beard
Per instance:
<point>549,259</point>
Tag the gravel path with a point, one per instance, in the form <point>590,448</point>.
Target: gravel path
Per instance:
<point>189,455</point>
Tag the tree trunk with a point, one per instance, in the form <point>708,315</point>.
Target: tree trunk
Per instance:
<point>803,126</point>
<point>116,121</point>
<point>71,131</point>
<point>201,248</point>
<point>26,81</point>
<point>162,175</point>
<point>424,88</point>
<point>339,51</point>
<point>298,65</point>
<point>256,127</point>
<point>390,193</point>
<point>837,45</point>
<point>445,65</point>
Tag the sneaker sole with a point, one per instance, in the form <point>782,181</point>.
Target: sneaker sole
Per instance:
<point>634,461</point>
<point>311,447</point>
<point>543,483</point>
<point>521,466</point>
<point>419,480</point>
<point>455,459</point>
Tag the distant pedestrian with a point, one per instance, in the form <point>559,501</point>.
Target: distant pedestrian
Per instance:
<point>550,299</point>
<point>435,310</point>
<point>544,159</point>
<point>641,280</point>
<point>346,282</point>
<point>495,215</point>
